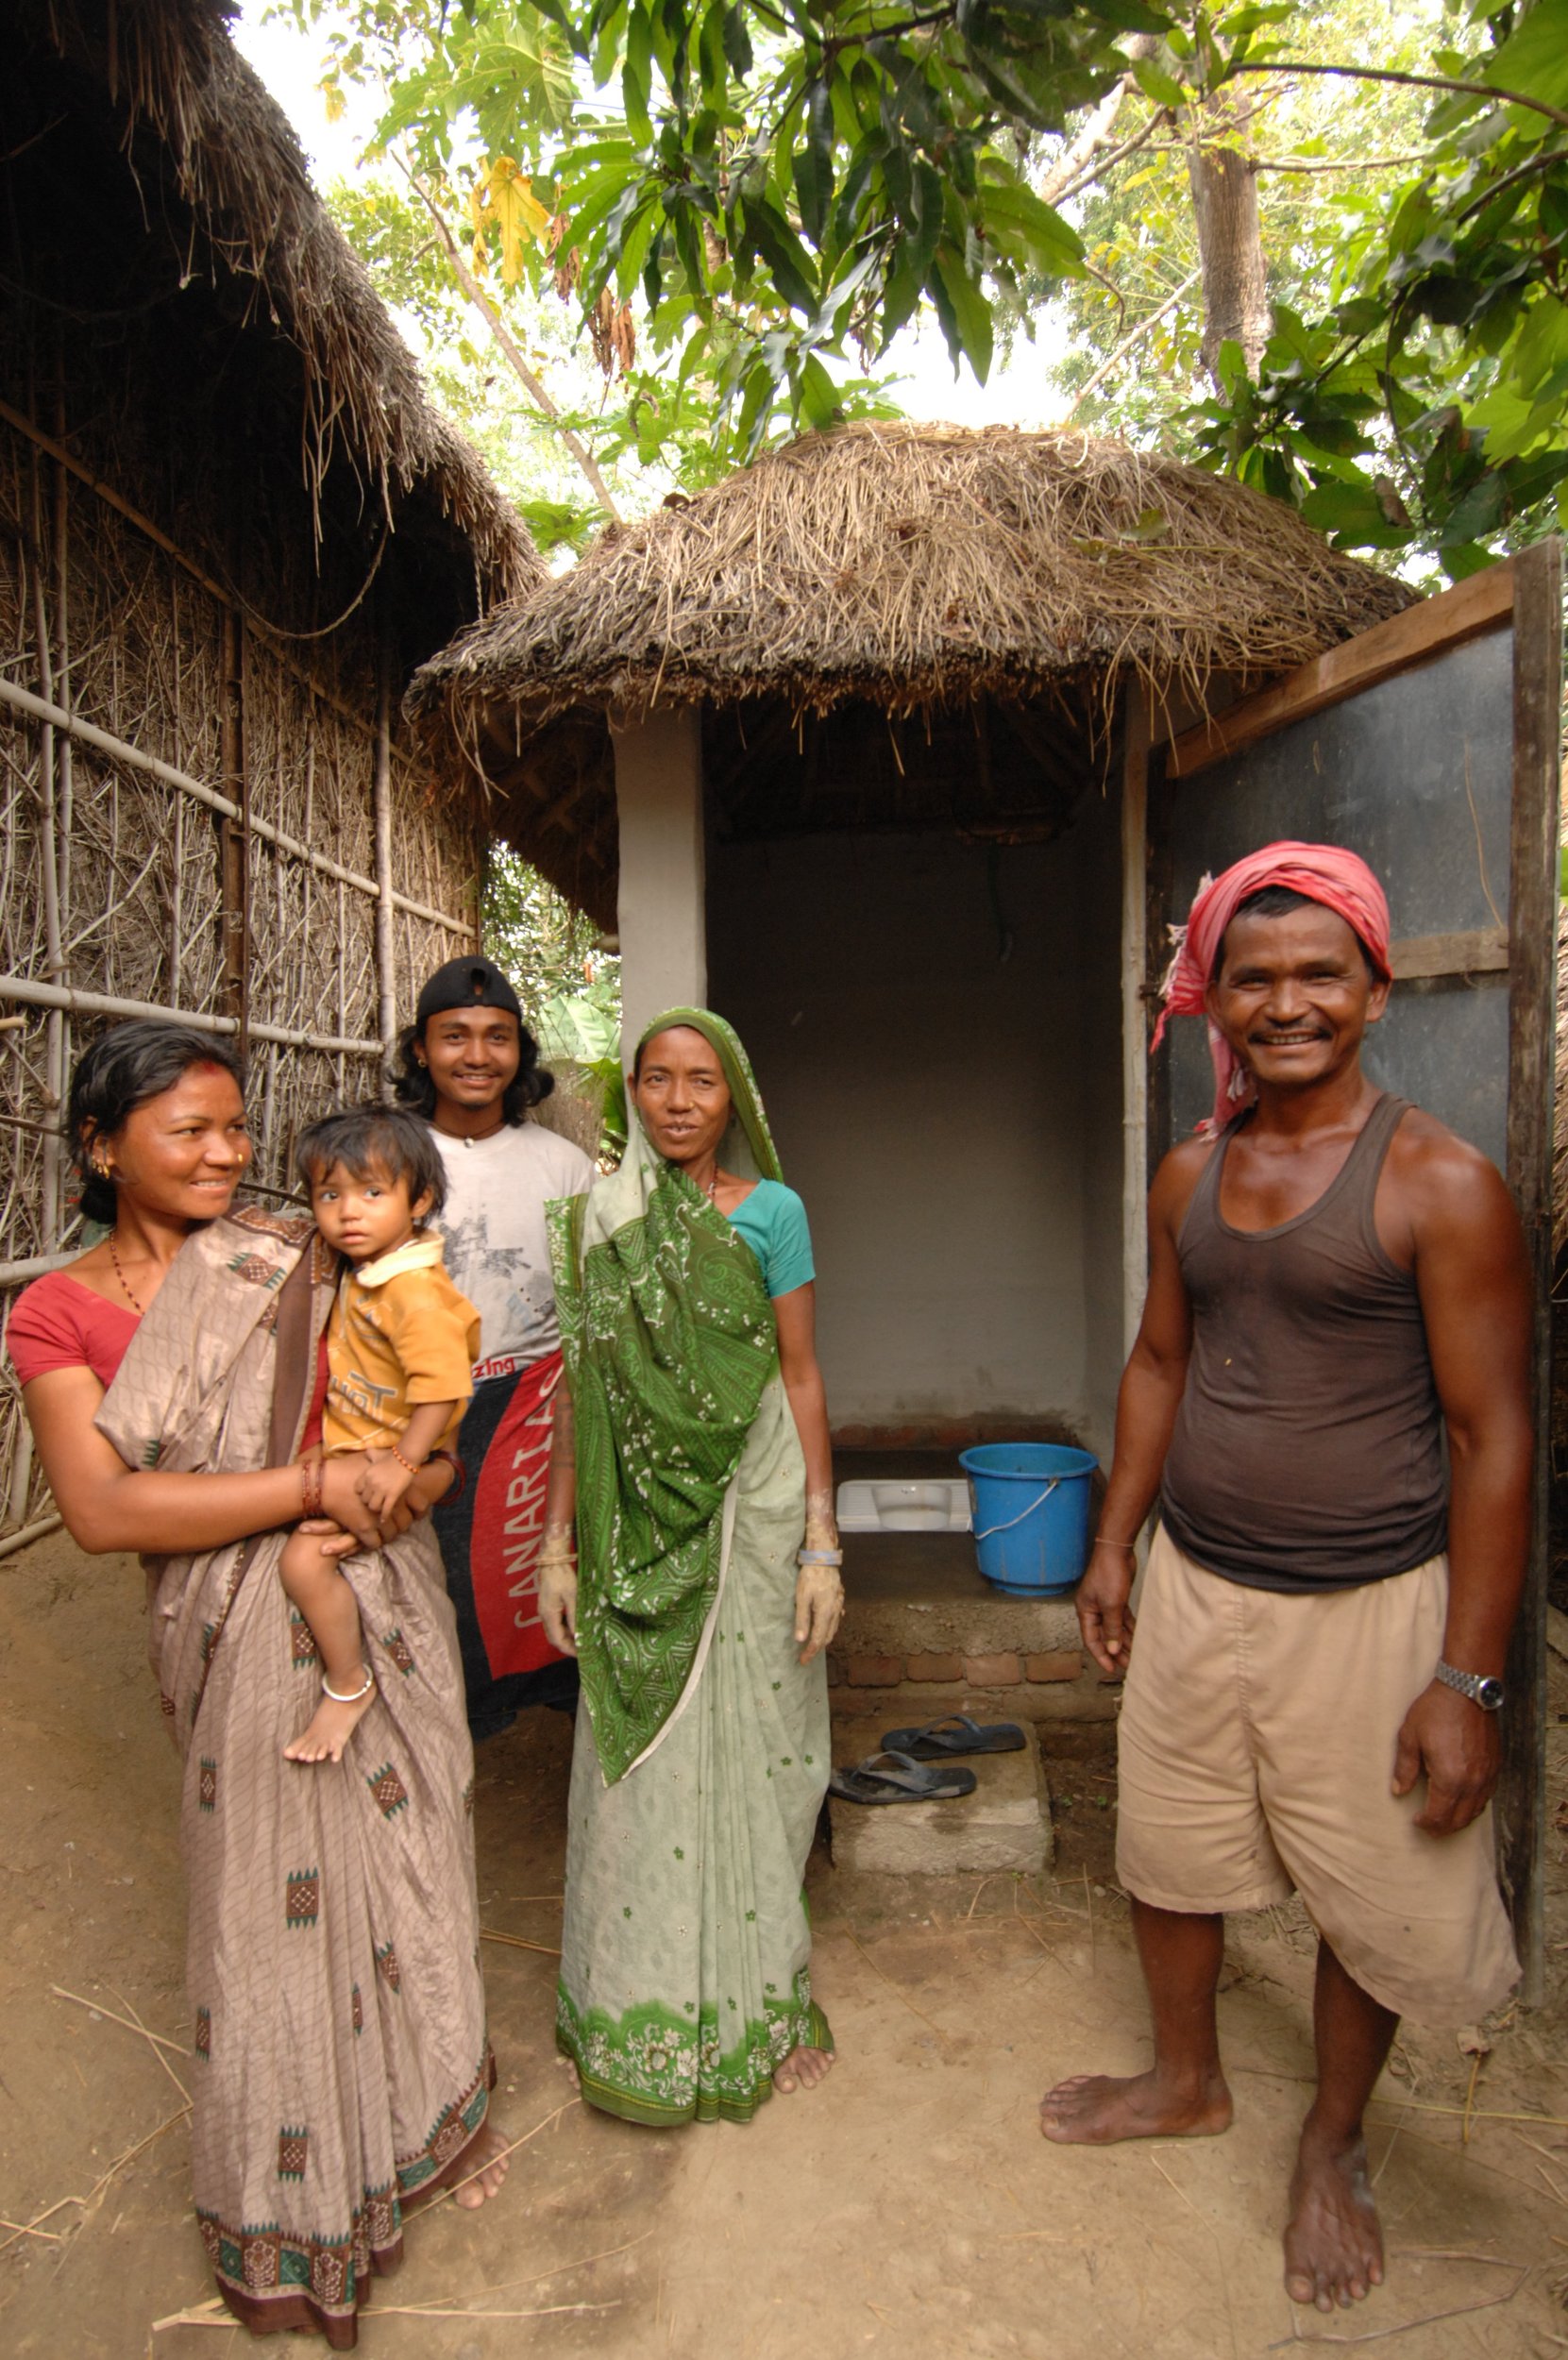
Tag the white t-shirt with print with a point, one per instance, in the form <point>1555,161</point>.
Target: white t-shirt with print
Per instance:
<point>493,1221</point>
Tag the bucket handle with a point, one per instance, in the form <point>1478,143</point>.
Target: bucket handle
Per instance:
<point>992,1531</point>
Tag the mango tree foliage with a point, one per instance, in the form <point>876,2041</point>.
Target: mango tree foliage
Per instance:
<point>771,184</point>
<point>1424,406</point>
<point>1322,150</point>
<point>552,952</point>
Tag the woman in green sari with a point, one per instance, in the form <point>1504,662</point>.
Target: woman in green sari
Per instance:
<point>704,1585</point>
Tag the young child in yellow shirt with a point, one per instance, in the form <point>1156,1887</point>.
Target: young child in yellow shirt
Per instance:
<point>401,1344</point>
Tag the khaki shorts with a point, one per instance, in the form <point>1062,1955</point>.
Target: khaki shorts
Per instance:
<point>1256,1755</point>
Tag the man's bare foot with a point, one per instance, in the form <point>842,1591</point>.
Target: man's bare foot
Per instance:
<point>489,2163</point>
<point>1333,2240</point>
<point>1097,2109</point>
<point>332,1725</point>
<point>802,2069</point>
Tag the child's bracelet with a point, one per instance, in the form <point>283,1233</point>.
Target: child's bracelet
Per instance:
<point>309,1487</point>
<point>408,1463</point>
<point>457,1467</point>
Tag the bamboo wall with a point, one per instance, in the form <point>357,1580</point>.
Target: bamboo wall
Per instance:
<point>203,794</point>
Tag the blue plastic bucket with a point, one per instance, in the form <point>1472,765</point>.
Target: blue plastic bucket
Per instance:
<point>1030,1502</point>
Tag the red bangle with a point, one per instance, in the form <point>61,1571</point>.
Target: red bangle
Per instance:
<point>309,1487</point>
<point>458,1468</point>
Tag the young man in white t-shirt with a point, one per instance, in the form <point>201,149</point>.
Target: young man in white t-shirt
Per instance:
<point>471,1068</point>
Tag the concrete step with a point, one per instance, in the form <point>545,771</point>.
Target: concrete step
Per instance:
<point>919,1620</point>
<point>1005,1824</point>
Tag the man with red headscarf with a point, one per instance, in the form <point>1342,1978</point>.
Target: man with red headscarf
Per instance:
<point>1336,1282</point>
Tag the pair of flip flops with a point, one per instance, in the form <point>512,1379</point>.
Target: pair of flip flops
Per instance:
<point>919,1762</point>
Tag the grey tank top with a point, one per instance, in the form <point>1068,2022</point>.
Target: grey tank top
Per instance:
<point>1308,1453</point>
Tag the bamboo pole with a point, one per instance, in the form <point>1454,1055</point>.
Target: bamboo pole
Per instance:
<point>48,852</point>
<point>54,718</point>
<point>36,1266</point>
<point>36,995</point>
<point>11,1542</point>
<point>112,499</point>
<point>233,846</point>
<point>386,979</point>
<point>1135,1022</point>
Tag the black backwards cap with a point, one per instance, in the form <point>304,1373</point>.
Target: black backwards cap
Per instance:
<point>466,984</point>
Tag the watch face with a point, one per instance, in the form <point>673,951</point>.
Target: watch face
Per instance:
<point>1489,1695</point>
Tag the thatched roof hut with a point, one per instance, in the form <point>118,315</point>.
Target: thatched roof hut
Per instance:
<point>231,523</point>
<point>907,568</point>
<point>225,196</point>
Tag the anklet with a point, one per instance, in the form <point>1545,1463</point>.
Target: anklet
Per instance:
<point>329,1690</point>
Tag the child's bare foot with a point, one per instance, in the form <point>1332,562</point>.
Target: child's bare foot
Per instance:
<point>333,1722</point>
<point>802,2069</point>
<point>488,2162</point>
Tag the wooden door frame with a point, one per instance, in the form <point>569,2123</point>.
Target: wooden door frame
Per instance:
<point>1525,594</point>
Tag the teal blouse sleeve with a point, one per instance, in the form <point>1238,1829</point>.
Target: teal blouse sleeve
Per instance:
<point>772,1221</point>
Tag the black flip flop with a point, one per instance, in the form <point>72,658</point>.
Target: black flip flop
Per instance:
<point>908,1782</point>
<point>957,1734</point>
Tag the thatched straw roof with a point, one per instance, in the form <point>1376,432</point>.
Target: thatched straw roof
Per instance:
<point>170,70</point>
<point>877,572</point>
<point>917,565</point>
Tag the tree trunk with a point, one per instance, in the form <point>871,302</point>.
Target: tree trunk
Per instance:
<point>1230,248</point>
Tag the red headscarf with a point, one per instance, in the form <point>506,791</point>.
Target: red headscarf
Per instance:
<point>1323,872</point>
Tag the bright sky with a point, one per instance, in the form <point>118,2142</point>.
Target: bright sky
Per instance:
<point>289,62</point>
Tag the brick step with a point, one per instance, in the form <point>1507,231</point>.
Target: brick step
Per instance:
<point>921,1631</point>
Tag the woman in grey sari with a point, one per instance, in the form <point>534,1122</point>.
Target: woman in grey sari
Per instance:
<point>693,1460</point>
<point>343,2066</point>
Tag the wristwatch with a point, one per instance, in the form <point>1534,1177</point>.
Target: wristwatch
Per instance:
<point>1480,1687</point>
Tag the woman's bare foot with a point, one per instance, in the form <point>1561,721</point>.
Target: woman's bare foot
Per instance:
<point>489,2163</point>
<point>331,1724</point>
<point>802,2069</point>
<point>1333,2240</point>
<point>1096,2109</point>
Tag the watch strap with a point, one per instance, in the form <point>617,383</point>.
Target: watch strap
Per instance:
<point>1481,1688</point>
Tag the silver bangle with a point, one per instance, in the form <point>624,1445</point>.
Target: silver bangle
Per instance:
<point>818,1557</point>
<point>359,1693</point>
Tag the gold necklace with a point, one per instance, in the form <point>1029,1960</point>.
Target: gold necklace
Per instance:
<point>121,1276</point>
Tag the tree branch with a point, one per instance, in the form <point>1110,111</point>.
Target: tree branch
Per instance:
<point>1414,81</point>
<point>1102,165</point>
<point>1091,384</point>
<point>533,386</point>
<point>1086,144</point>
<point>1330,163</point>
<point>1521,171</point>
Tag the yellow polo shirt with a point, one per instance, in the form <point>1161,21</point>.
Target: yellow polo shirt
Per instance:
<point>399,1334</point>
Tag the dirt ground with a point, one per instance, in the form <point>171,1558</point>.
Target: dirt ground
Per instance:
<point>909,2205</point>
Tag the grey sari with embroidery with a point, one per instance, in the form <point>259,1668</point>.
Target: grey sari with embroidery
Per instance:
<point>702,1753</point>
<point>342,2062</point>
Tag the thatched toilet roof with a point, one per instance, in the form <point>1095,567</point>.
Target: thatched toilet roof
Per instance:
<point>914,565</point>
<point>196,120</point>
<point>968,577</point>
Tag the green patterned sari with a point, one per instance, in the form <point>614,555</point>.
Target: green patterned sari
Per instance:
<point>701,1750</point>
